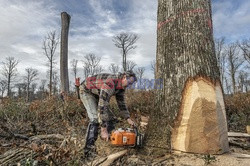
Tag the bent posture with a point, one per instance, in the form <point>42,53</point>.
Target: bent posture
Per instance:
<point>95,93</point>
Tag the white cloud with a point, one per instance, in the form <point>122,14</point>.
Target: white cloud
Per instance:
<point>24,25</point>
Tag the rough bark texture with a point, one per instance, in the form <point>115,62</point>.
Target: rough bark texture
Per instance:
<point>185,52</point>
<point>64,53</point>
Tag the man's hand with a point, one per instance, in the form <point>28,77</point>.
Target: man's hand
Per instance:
<point>104,134</point>
<point>131,122</point>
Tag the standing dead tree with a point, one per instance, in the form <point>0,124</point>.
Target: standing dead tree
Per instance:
<point>190,113</point>
<point>242,81</point>
<point>91,65</point>
<point>49,46</point>
<point>74,64</point>
<point>125,42</point>
<point>245,47</point>
<point>113,68</point>
<point>29,78</point>
<point>64,76</point>
<point>3,87</point>
<point>9,72</point>
<point>234,63</point>
<point>221,57</point>
<point>130,65</point>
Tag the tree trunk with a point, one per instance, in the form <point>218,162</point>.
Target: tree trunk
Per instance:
<point>50,78</point>
<point>190,114</point>
<point>64,53</point>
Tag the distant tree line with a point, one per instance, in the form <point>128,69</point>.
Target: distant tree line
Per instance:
<point>233,60</point>
<point>30,86</point>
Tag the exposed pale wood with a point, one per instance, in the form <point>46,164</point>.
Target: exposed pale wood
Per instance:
<point>239,155</point>
<point>106,161</point>
<point>49,136</point>
<point>236,134</point>
<point>201,123</point>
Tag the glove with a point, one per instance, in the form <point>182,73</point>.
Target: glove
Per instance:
<point>131,122</point>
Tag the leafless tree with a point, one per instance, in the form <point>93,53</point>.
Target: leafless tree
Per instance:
<point>49,46</point>
<point>91,65</point>
<point>33,89</point>
<point>234,62</point>
<point>74,64</point>
<point>242,81</point>
<point>3,87</point>
<point>153,62</point>
<point>245,47</point>
<point>220,56</point>
<point>42,86</point>
<point>29,78</point>
<point>140,72</point>
<point>64,76</point>
<point>125,42</point>
<point>9,72</point>
<point>130,65</point>
<point>113,68</point>
<point>55,80</point>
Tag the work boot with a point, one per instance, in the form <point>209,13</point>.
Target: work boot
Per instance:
<point>91,137</point>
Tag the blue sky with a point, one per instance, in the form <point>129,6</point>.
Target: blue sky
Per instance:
<point>94,23</point>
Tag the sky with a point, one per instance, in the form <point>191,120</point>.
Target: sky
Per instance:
<point>25,23</point>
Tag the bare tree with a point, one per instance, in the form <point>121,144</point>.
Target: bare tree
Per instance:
<point>55,80</point>
<point>3,87</point>
<point>29,78</point>
<point>140,72</point>
<point>64,76</point>
<point>234,62</point>
<point>9,72</point>
<point>49,46</point>
<point>130,65</point>
<point>74,64</point>
<point>221,57</point>
<point>245,47</point>
<point>153,62</point>
<point>125,42</point>
<point>33,89</point>
<point>113,68</point>
<point>91,65</point>
<point>242,81</point>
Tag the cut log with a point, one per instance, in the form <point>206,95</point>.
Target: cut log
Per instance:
<point>106,161</point>
<point>239,155</point>
<point>240,142</point>
<point>16,155</point>
<point>234,134</point>
<point>201,126</point>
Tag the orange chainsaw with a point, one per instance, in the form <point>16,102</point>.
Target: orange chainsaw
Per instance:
<point>127,137</point>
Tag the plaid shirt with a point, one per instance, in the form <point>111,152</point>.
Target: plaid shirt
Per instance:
<point>103,87</point>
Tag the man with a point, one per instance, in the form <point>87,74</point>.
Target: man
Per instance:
<point>95,93</point>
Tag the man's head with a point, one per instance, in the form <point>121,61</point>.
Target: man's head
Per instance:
<point>128,78</point>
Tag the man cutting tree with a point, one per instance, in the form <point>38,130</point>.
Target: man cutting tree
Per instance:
<point>95,94</point>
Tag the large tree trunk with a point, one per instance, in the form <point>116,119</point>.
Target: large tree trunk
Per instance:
<point>64,53</point>
<point>191,113</point>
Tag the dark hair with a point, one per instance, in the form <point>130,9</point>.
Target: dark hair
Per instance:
<point>130,73</point>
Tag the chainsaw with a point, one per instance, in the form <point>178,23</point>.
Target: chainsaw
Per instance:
<point>127,137</point>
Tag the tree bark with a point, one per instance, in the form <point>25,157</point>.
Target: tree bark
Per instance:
<point>190,114</point>
<point>64,53</point>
